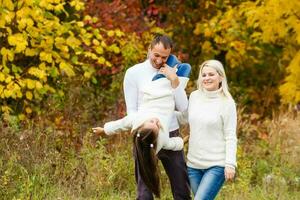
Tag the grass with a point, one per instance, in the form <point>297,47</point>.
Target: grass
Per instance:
<point>41,161</point>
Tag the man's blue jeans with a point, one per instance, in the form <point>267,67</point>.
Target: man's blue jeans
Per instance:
<point>206,183</point>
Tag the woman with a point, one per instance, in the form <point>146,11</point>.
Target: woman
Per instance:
<point>150,125</point>
<point>212,118</point>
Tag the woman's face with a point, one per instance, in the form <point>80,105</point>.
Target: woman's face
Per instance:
<point>210,79</point>
<point>158,55</point>
<point>153,124</point>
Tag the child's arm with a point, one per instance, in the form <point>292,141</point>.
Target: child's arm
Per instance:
<point>174,144</point>
<point>114,127</point>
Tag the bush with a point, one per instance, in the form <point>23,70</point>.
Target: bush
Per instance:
<point>43,43</point>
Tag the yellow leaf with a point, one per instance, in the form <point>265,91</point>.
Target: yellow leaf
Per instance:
<point>23,22</point>
<point>19,94</point>
<point>80,24</point>
<point>8,79</point>
<point>87,18</point>
<point>31,52</point>
<point>197,30</point>
<point>61,93</point>
<point>44,56</point>
<point>41,74</point>
<point>119,33</point>
<point>1,88</point>
<point>87,74</point>
<point>114,48</point>
<point>18,40</point>
<point>8,4</point>
<point>21,117</point>
<point>96,42</point>
<point>207,47</point>
<point>73,42</point>
<point>49,88</point>
<point>2,22</point>
<point>2,77</point>
<point>110,33</point>
<point>7,93</point>
<point>94,19</point>
<point>9,16</point>
<point>29,95</point>
<point>28,110</point>
<point>6,109</point>
<point>66,68</point>
<point>101,60</point>
<point>108,64</point>
<point>99,50</point>
<point>30,83</point>
<point>7,54</point>
<point>208,32</point>
<point>103,44</point>
<point>38,85</point>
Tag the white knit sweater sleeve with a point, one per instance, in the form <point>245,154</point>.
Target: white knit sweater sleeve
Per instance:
<point>130,92</point>
<point>174,144</point>
<point>124,124</point>
<point>181,101</point>
<point>230,124</point>
<point>182,117</point>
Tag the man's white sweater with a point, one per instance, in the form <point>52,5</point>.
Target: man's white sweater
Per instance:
<point>136,79</point>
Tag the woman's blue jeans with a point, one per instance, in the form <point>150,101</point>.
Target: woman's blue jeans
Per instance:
<point>206,183</point>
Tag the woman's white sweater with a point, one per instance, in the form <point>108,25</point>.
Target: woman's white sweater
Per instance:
<point>212,119</point>
<point>158,101</point>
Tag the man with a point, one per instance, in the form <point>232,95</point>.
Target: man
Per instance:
<point>135,79</point>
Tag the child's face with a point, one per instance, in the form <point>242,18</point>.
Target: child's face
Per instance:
<point>153,124</point>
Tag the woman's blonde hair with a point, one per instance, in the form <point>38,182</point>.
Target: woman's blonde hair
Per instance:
<point>217,65</point>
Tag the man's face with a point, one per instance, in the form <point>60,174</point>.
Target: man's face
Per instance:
<point>158,55</point>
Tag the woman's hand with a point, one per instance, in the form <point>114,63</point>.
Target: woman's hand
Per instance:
<point>229,173</point>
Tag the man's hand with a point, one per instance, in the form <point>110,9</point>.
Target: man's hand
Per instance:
<point>170,73</point>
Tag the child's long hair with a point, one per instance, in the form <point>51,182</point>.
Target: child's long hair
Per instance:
<point>145,142</point>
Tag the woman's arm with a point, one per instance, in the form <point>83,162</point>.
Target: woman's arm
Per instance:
<point>230,123</point>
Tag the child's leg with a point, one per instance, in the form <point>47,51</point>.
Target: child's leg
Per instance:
<point>183,69</point>
<point>172,60</point>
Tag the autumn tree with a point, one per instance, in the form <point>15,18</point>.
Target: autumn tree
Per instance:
<point>43,42</point>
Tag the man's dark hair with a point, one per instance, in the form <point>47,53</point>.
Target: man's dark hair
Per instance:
<point>164,39</point>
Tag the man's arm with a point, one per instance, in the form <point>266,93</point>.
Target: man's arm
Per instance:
<point>181,100</point>
<point>179,84</point>
<point>130,92</point>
